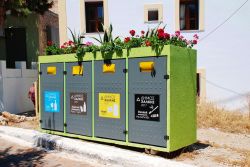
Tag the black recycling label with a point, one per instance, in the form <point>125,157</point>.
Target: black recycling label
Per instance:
<point>147,107</point>
<point>78,103</point>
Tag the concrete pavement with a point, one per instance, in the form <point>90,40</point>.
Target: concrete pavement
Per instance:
<point>103,154</point>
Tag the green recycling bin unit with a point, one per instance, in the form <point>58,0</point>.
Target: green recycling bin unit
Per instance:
<point>140,98</point>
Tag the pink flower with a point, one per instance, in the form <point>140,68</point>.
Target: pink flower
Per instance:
<point>132,32</point>
<point>70,42</point>
<point>89,44</point>
<point>196,36</point>
<point>177,33</point>
<point>127,39</point>
<point>181,37</point>
<point>62,47</point>
<point>194,42</point>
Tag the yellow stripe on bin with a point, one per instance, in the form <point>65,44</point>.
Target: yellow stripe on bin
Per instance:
<point>108,68</point>
<point>51,70</point>
<point>146,66</point>
<point>77,70</point>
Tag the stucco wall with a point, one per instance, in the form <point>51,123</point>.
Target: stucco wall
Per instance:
<point>224,54</point>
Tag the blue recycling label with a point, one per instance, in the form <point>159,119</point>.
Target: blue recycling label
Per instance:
<point>52,101</point>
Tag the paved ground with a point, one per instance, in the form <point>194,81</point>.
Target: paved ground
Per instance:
<point>15,155</point>
<point>95,154</point>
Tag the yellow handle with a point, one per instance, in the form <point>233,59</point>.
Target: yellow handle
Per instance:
<point>146,66</point>
<point>77,70</point>
<point>108,68</point>
<point>51,70</point>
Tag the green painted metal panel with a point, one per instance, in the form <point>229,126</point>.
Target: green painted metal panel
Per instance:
<point>182,98</point>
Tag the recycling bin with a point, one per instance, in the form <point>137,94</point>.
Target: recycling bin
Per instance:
<point>141,98</point>
<point>52,92</point>
<point>110,117</point>
<point>79,98</point>
<point>147,100</point>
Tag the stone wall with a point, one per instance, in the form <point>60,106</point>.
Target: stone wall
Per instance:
<point>49,19</point>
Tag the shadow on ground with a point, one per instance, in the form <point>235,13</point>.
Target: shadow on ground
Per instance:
<point>31,113</point>
<point>189,149</point>
<point>27,157</point>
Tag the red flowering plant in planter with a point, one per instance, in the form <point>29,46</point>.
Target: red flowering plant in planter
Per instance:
<point>134,41</point>
<point>155,38</point>
<point>52,49</point>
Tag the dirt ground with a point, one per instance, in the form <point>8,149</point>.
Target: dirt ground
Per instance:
<point>216,148</point>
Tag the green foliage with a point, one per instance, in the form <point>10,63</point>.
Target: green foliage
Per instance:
<point>107,36</point>
<point>53,50</point>
<point>25,7</point>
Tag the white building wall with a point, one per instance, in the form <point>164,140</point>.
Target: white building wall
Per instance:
<point>14,88</point>
<point>224,54</point>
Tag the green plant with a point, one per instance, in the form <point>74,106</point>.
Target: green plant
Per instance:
<point>78,47</point>
<point>52,49</point>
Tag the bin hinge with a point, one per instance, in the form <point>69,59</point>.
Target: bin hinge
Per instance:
<point>125,70</point>
<point>41,121</point>
<point>166,76</point>
<point>40,72</point>
<point>166,137</point>
<point>65,124</point>
<point>125,132</point>
<point>65,72</point>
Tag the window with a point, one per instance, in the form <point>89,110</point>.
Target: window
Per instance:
<point>94,16</point>
<point>153,13</point>
<point>189,15</point>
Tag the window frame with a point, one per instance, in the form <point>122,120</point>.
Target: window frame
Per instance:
<point>188,18</point>
<point>153,7</point>
<point>96,19</point>
<point>83,17</point>
<point>200,17</point>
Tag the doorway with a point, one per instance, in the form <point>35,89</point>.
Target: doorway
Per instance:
<point>16,50</point>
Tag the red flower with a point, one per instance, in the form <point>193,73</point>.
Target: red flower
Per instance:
<point>49,43</point>
<point>148,43</point>
<point>62,47</point>
<point>194,42</point>
<point>127,39</point>
<point>166,36</point>
<point>160,31</point>
<point>132,32</point>
<point>160,35</point>
<point>142,32</point>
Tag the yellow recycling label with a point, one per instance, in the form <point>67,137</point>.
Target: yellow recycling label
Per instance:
<point>109,105</point>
